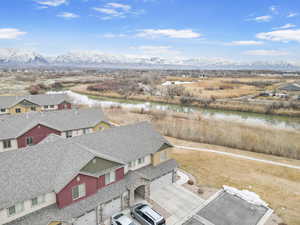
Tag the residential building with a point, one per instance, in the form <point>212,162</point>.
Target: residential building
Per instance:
<point>29,103</point>
<point>19,131</point>
<point>84,179</point>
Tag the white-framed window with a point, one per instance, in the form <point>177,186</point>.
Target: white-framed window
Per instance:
<point>15,209</point>
<point>163,156</point>
<point>7,144</point>
<point>69,134</point>
<point>29,140</point>
<point>33,108</point>
<point>3,110</point>
<point>37,201</point>
<point>46,106</point>
<point>110,177</point>
<point>141,160</point>
<point>18,110</point>
<point>78,191</point>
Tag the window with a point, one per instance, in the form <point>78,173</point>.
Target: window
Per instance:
<point>33,108</point>
<point>85,130</point>
<point>6,144</point>
<point>110,177</point>
<point>141,160</point>
<point>163,156</point>
<point>3,110</point>
<point>52,106</point>
<point>45,107</point>
<point>18,110</point>
<point>69,134</point>
<point>148,219</point>
<point>37,201</point>
<point>78,191</point>
<point>15,209</point>
<point>29,141</point>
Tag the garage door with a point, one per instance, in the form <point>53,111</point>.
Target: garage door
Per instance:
<point>161,182</point>
<point>111,208</point>
<point>87,219</point>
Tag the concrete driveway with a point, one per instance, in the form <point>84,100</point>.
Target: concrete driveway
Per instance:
<point>177,201</point>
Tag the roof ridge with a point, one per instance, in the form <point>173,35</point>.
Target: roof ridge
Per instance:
<point>101,155</point>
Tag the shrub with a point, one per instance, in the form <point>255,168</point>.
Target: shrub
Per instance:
<point>190,182</point>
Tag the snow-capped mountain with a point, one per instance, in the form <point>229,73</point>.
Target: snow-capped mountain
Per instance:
<point>99,59</point>
<point>18,56</point>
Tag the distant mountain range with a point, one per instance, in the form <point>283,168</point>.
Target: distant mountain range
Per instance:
<point>19,57</point>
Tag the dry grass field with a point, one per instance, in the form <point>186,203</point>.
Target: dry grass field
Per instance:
<point>218,88</point>
<point>277,185</point>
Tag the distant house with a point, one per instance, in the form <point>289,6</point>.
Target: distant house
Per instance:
<point>290,87</point>
<point>19,131</point>
<point>84,179</point>
<point>29,103</point>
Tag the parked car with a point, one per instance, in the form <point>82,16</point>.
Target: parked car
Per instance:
<point>144,214</point>
<point>121,219</point>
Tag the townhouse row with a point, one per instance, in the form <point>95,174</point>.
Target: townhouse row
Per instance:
<point>72,167</point>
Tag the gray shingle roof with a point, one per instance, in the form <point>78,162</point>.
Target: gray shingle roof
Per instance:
<point>48,167</point>
<point>43,99</point>
<point>134,141</point>
<point>53,213</point>
<point>12,126</point>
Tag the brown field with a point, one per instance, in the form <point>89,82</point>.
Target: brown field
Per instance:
<point>276,185</point>
<point>193,127</point>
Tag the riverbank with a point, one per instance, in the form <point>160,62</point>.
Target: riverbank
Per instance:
<point>220,104</point>
<point>193,127</point>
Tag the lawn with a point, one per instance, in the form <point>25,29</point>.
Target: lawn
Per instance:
<point>279,186</point>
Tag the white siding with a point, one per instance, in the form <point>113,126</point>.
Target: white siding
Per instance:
<point>49,109</point>
<point>50,199</point>
<point>77,132</point>
<point>6,111</point>
<point>14,145</point>
<point>136,165</point>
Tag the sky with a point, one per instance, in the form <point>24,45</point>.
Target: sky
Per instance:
<point>237,30</point>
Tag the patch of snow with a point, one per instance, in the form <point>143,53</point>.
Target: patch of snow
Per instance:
<point>246,195</point>
<point>183,178</point>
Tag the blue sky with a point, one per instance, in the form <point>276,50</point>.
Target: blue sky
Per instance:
<point>230,29</point>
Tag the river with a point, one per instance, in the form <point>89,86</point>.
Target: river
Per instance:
<point>285,122</point>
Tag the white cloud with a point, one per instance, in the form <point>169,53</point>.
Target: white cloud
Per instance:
<point>170,33</point>
<point>245,43</point>
<point>266,53</point>
<point>68,15</point>
<point>120,6</point>
<point>110,35</point>
<point>10,33</point>
<point>116,10</point>
<point>281,35</point>
<point>292,14</point>
<point>286,26</point>
<point>53,3</point>
<point>262,19</point>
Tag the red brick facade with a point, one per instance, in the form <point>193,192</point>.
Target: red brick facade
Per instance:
<point>64,105</point>
<point>38,133</point>
<point>92,185</point>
